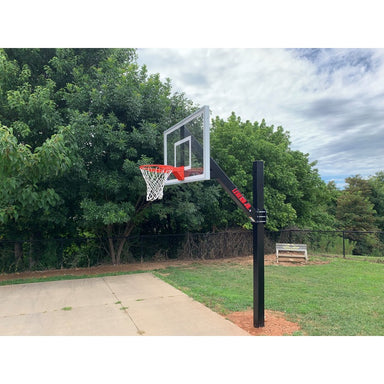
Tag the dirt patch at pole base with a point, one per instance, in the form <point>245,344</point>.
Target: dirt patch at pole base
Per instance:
<point>275,323</point>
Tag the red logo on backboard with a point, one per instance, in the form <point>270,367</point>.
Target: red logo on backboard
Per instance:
<point>241,198</point>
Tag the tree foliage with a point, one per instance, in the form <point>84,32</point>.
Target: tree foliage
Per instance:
<point>24,172</point>
<point>376,197</point>
<point>355,209</point>
<point>115,113</point>
<point>355,212</point>
<point>294,191</point>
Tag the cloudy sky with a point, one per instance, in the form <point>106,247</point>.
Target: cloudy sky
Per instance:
<point>330,100</point>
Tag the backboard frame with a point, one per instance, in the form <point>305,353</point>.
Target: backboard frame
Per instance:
<point>188,140</point>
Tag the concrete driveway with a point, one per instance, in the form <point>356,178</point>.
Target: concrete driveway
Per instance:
<point>129,305</point>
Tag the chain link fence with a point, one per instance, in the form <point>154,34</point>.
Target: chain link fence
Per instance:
<point>19,255</point>
<point>80,252</point>
<point>337,243</point>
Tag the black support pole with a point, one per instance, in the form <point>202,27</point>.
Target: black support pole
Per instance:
<point>258,246</point>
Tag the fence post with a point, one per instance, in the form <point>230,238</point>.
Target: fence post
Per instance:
<point>141,249</point>
<point>61,251</point>
<point>343,244</point>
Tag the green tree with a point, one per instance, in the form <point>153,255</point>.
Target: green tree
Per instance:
<point>26,200</point>
<point>334,194</point>
<point>376,184</point>
<point>355,212</point>
<point>192,207</point>
<point>294,192</point>
<point>356,184</point>
<point>35,143</point>
<point>117,113</point>
<point>27,99</point>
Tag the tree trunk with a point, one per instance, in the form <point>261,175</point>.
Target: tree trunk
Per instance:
<point>141,204</point>
<point>18,252</point>
<point>30,255</point>
<point>128,230</point>
<point>111,245</point>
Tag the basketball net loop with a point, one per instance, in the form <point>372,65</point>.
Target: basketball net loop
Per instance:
<point>155,176</point>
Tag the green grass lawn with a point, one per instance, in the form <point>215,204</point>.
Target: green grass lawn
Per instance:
<point>343,297</point>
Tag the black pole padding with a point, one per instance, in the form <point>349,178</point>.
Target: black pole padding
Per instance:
<point>258,246</point>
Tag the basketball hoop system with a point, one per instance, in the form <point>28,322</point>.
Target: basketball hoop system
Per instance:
<point>155,176</point>
<point>187,159</point>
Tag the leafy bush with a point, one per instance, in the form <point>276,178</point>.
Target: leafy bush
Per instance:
<point>82,254</point>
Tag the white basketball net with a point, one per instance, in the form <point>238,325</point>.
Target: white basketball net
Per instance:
<point>155,178</point>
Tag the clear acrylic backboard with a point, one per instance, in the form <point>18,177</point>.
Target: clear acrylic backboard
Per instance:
<point>181,148</point>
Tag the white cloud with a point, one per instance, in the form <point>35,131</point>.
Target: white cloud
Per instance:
<point>331,101</point>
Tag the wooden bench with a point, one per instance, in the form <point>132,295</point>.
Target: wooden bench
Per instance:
<point>291,251</point>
